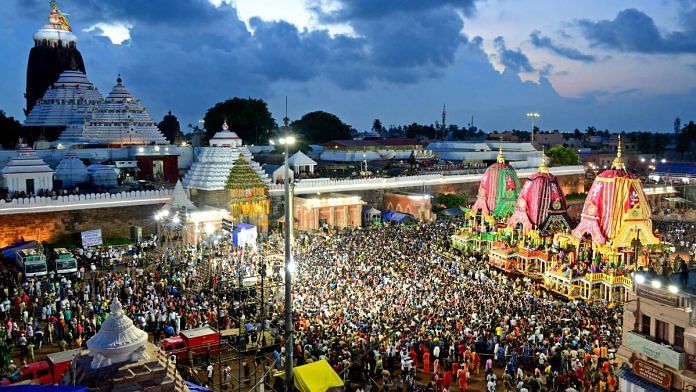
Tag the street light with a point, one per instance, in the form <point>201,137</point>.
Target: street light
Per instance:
<point>533,116</point>
<point>286,141</point>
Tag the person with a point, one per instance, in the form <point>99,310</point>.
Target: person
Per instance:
<point>683,273</point>
<point>210,369</point>
<point>463,377</point>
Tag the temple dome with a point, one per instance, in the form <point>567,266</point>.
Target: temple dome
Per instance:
<point>541,203</point>
<point>119,119</point>
<point>71,171</point>
<point>498,189</point>
<point>118,340</point>
<point>616,209</point>
<point>70,100</point>
<point>57,31</point>
<point>225,138</point>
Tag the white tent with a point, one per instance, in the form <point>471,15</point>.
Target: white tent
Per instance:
<point>278,175</point>
<point>71,171</point>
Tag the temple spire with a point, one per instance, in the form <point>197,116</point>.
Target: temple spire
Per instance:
<point>618,161</point>
<point>501,158</point>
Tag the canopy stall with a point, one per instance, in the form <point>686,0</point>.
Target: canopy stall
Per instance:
<point>397,217</point>
<point>244,234</point>
<point>317,376</point>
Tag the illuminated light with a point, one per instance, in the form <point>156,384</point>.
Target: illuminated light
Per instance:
<point>656,284</point>
<point>165,213</point>
<point>141,149</point>
<point>157,148</point>
<point>640,279</point>
<point>183,144</point>
<point>209,228</point>
<point>652,160</point>
<point>271,142</point>
<point>673,289</point>
<point>292,267</point>
<point>642,160</point>
<point>176,220</point>
<point>290,140</point>
<point>663,160</point>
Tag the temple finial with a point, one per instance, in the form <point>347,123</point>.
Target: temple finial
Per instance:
<point>225,127</point>
<point>501,158</point>
<point>119,80</point>
<point>618,161</point>
<point>543,164</point>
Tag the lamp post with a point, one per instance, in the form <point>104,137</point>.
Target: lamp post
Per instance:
<point>286,141</point>
<point>533,116</point>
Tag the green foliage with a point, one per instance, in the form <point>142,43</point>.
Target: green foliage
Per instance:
<point>449,200</point>
<point>686,139</point>
<point>248,117</point>
<point>560,156</point>
<point>320,127</point>
<point>170,128</point>
<point>116,241</point>
<point>651,143</point>
<point>377,125</point>
<point>10,130</point>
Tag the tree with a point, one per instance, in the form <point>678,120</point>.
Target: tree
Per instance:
<point>377,126</point>
<point>450,200</point>
<point>169,126</point>
<point>10,131</point>
<point>248,117</point>
<point>560,156</point>
<point>686,137</point>
<point>677,125</point>
<point>320,127</point>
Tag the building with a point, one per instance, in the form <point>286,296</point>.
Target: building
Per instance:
<point>71,171</point>
<point>117,121</point>
<point>541,203</point>
<point>120,358</point>
<point>372,150</point>
<point>54,51</point>
<point>519,155</point>
<point>332,210</point>
<point>498,190</point>
<point>208,175</point>
<point>658,346</point>
<point>27,173</point>
<point>70,100</point>
<point>548,140</point>
<point>419,206</point>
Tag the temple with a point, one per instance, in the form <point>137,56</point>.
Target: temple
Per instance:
<point>541,203</point>
<point>27,173</point>
<point>120,358</point>
<point>118,120</point>
<point>69,101</point>
<point>498,189</point>
<point>54,51</point>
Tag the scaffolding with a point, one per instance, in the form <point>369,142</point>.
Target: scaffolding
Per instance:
<point>245,359</point>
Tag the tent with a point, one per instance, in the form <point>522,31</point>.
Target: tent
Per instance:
<point>244,234</point>
<point>453,211</point>
<point>71,171</point>
<point>370,215</point>
<point>317,376</point>
<point>397,217</point>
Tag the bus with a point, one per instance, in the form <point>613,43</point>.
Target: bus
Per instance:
<point>65,261</point>
<point>31,262</point>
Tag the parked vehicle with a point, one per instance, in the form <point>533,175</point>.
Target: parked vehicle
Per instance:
<point>200,341</point>
<point>65,261</point>
<point>48,371</point>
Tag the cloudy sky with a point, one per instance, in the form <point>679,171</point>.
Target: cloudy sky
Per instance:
<point>622,65</point>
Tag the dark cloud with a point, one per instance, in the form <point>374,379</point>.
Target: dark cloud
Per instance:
<point>512,60</point>
<point>351,10</point>
<point>541,41</point>
<point>634,31</point>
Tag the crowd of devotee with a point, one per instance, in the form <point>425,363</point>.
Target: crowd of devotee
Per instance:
<point>389,306</point>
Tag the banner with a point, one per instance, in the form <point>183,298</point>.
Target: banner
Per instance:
<point>91,237</point>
